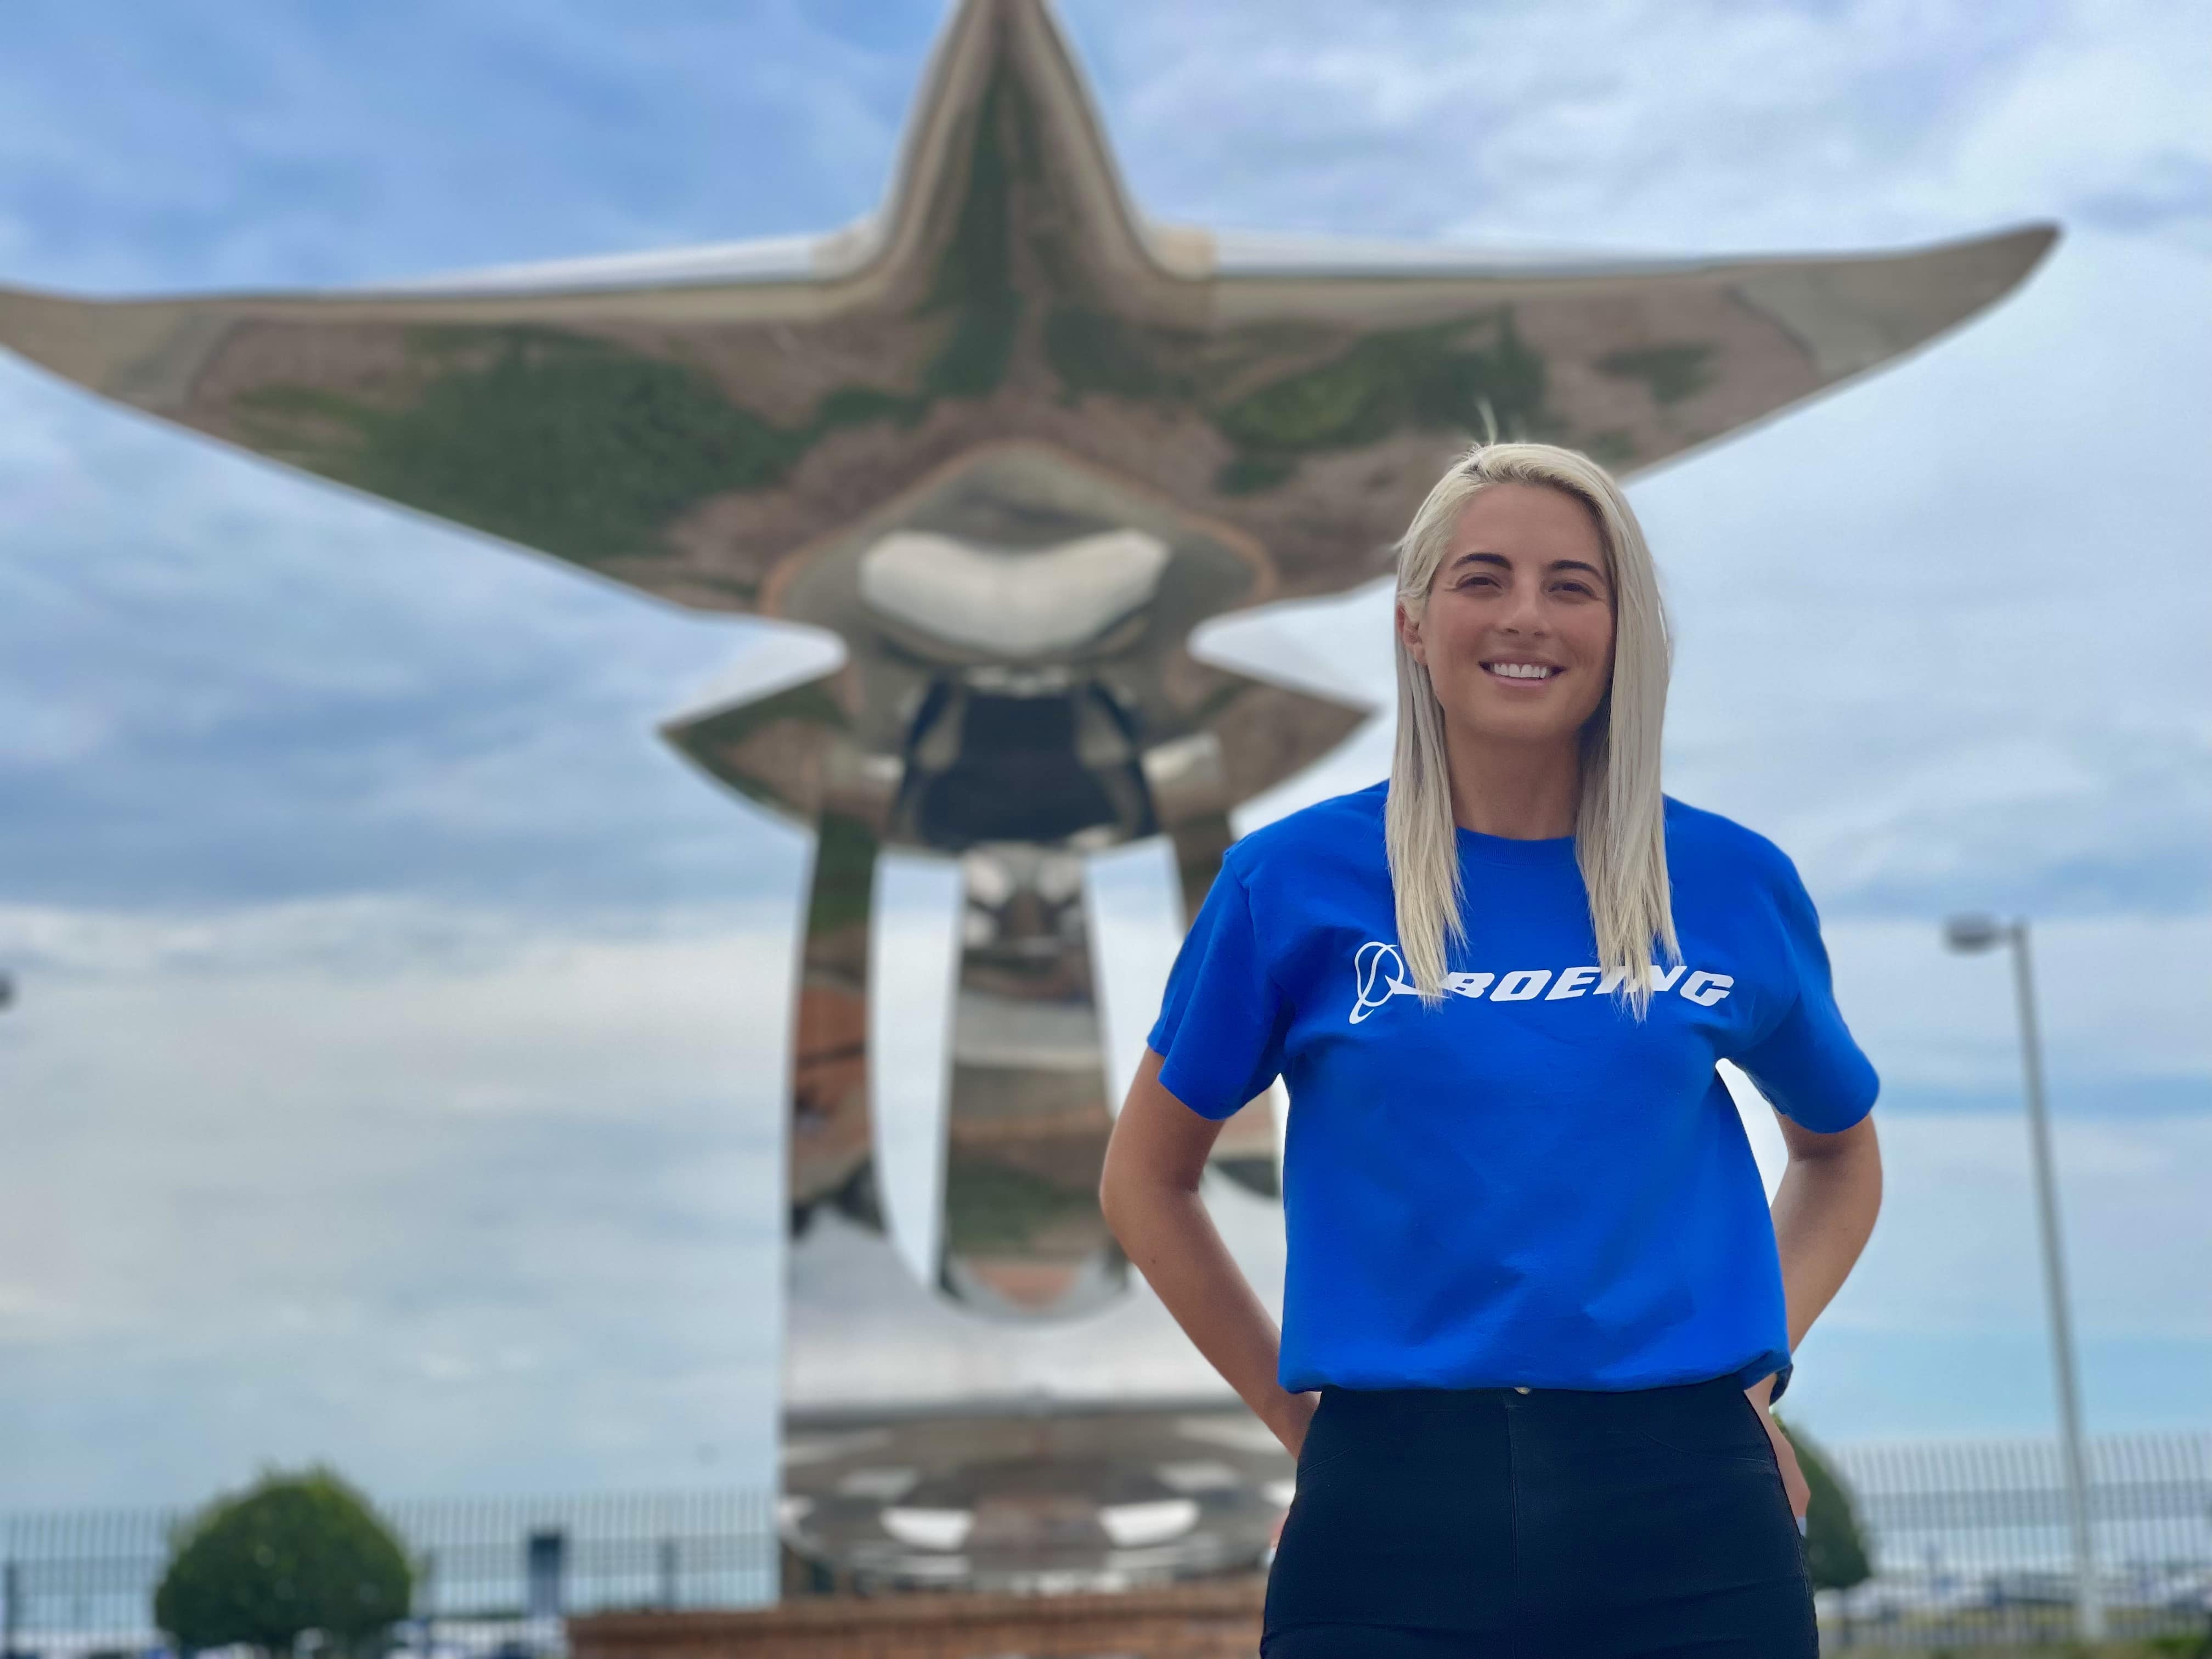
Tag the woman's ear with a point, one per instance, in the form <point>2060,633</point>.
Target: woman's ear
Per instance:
<point>1410,632</point>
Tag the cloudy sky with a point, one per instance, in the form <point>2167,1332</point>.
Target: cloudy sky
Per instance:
<point>394,1074</point>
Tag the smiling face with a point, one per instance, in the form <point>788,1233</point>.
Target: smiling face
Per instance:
<point>1517,631</point>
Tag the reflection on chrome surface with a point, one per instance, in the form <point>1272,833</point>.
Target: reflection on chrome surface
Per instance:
<point>1018,1499</point>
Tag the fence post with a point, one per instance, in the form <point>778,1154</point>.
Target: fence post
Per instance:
<point>544,1564</point>
<point>426,1603</point>
<point>11,1584</point>
<point>668,1573</point>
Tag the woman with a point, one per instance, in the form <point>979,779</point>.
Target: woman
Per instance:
<point>1535,1310</point>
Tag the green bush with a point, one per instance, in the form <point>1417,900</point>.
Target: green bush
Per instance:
<point>292,1554</point>
<point>1833,1549</point>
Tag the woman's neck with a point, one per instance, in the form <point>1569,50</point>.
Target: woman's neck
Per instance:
<point>1521,792</point>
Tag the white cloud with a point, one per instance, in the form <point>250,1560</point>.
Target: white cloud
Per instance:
<point>2104,115</point>
<point>1631,123</point>
<point>1955,1253</point>
<point>2118,999</point>
<point>331,1190</point>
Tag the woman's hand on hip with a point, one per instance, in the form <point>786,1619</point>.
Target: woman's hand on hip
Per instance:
<point>1785,1455</point>
<point>1288,1416</point>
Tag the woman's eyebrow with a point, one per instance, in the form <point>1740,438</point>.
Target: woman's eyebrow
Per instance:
<point>1503,564</point>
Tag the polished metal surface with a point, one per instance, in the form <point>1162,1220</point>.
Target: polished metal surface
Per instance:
<point>938,734</point>
<point>1011,443</point>
<point>1016,1499</point>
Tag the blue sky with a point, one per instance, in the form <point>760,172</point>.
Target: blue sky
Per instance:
<point>394,1073</point>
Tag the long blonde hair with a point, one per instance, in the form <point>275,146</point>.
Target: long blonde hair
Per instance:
<point>1621,840</point>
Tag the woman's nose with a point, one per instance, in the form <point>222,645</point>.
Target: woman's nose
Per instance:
<point>1524,614</point>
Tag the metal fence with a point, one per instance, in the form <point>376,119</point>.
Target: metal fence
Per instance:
<point>492,1576</point>
<point>1969,1544</point>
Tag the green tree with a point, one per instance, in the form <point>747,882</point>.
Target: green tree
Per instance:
<point>291,1553</point>
<point>1833,1549</point>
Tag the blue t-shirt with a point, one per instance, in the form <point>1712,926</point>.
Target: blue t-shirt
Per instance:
<point>1523,1185</point>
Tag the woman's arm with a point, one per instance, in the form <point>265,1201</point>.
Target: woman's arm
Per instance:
<point>1149,1193</point>
<point>1823,1211</point>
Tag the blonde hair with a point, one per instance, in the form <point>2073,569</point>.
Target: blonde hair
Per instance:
<point>1620,841</point>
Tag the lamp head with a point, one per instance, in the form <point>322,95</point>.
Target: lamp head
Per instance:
<point>1969,934</point>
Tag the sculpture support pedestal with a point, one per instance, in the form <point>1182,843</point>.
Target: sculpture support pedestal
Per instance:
<point>1207,1618</point>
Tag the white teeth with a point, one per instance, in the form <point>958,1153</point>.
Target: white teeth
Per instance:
<point>1522,671</point>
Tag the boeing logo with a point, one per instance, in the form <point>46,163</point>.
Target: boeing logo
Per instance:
<point>1379,973</point>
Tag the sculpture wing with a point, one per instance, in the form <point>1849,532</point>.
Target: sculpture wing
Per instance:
<point>578,409</point>
<point>1339,378</point>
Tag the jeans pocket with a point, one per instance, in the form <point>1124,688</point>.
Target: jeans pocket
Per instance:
<point>1325,1441</point>
<point>1709,1422</point>
<point>1773,1459</point>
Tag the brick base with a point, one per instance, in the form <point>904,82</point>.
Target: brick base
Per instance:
<point>1216,1619</point>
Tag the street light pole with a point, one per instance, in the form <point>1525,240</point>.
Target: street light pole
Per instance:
<point>2088,1605</point>
<point>1975,933</point>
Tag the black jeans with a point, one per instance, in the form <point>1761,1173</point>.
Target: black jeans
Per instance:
<point>1464,1523</point>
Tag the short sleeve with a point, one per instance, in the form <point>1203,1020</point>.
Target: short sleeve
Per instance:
<point>1219,1035</point>
<point>1807,1063</point>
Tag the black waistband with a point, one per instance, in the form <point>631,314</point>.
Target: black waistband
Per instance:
<point>1418,1397</point>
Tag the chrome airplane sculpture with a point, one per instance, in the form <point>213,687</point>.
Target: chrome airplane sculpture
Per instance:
<point>1011,442</point>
